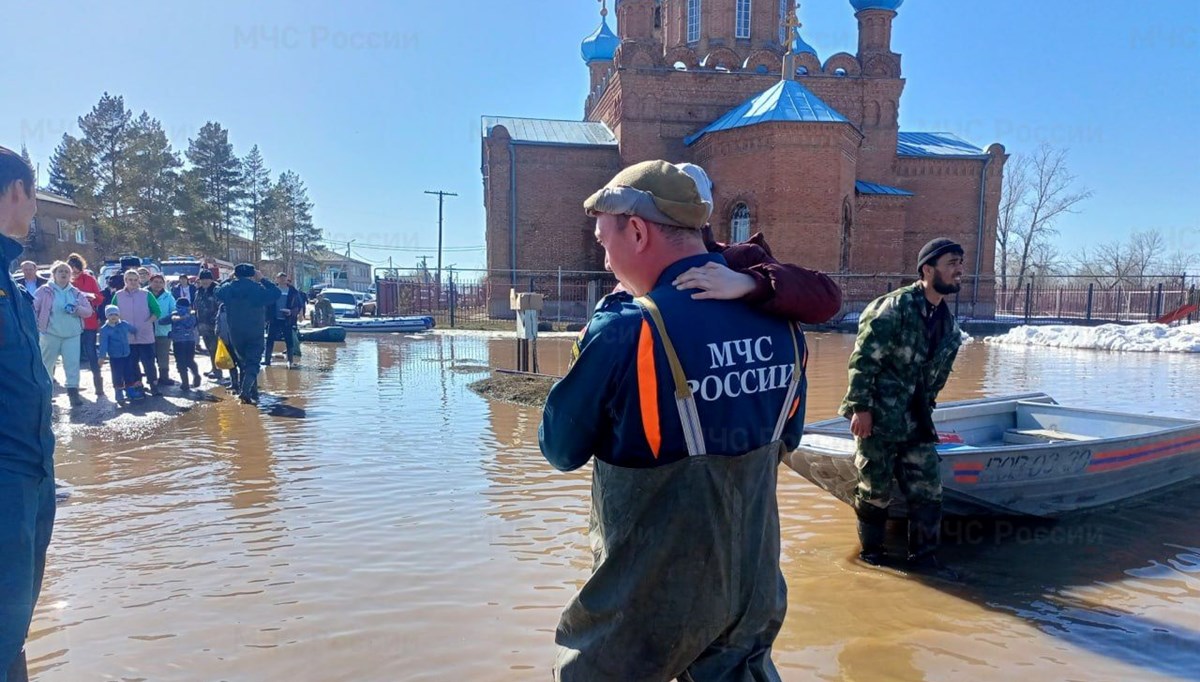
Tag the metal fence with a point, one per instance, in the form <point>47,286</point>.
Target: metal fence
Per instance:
<point>1069,299</point>
<point>481,297</point>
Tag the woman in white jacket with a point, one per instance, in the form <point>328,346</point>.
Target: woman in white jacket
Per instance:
<point>60,309</point>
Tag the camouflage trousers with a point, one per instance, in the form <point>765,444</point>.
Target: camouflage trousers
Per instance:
<point>914,466</point>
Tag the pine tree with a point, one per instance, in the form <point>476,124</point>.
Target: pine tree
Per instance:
<point>256,187</point>
<point>25,156</point>
<point>290,230</point>
<point>68,162</point>
<point>97,169</point>
<point>217,174</point>
<point>155,174</point>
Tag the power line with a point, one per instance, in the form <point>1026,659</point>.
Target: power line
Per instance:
<point>410,249</point>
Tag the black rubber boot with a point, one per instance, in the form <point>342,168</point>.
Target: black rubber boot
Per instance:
<point>872,529</point>
<point>924,537</point>
<point>98,381</point>
<point>73,396</point>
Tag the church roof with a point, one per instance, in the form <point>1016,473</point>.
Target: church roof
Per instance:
<point>860,5</point>
<point>799,45</point>
<point>545,131</point>
<point>787,101</point>
<point>863,187</point>
<point>601,45</point>
<point>936,144</point>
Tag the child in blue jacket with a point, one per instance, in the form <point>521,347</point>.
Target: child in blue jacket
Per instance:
<point>184,335</point>
<point>114,343</point>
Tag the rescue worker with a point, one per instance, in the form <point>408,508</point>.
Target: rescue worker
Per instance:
<point>246,300</point>
<point>686,578</point>
<point>26,442</point>
<point>907,342</point>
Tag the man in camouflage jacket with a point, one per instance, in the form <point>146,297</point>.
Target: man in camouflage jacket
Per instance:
<point>907,342</point>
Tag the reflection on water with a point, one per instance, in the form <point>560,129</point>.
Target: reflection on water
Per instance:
<point>405,528</point>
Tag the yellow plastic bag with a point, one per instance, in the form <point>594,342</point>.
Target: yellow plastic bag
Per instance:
<point>223,359</point>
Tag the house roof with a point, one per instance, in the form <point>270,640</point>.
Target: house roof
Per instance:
<point>863,187</point>
<point>936,144</point>
<point>786,101</point>
<point>325,256</point>
<point>547,131</point>
<point>53,198</point>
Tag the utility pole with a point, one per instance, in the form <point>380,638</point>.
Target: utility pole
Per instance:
<point>441,199</point>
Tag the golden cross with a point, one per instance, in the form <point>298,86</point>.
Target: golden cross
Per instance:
<point>790,24</point>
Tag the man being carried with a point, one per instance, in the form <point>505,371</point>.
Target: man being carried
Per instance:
<point>907,342</point>
<point>686,579</point>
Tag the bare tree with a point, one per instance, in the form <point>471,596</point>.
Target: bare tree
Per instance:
<point>1145,253</point>
<point>1034,205</point>
<point>1012,195</point>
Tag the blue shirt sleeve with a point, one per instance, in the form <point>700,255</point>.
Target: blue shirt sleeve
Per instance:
<point>103,342</point>
<point>578,412</point>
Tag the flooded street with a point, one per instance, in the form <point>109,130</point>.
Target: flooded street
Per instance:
<point>390,524</point>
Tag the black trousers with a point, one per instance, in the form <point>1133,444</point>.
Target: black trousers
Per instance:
<point>279,330</point>
<point>185,359</point>
<point>143,354</point>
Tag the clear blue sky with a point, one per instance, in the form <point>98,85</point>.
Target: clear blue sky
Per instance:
<point>375,102</point>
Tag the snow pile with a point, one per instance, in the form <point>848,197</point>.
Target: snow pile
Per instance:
<point>1140,338</point>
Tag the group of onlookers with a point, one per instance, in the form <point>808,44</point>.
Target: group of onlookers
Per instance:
<point>138,324</point>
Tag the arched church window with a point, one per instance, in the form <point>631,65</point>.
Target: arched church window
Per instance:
<point>839,72</point>
<point>742,19</point>
<point>739,224</point>
<point>762,69</point>
<point>693,21</point>
<point>657,13</point>
<point>680,66</point>
<point>801,70</point>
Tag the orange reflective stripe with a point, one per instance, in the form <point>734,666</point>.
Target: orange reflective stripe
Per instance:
<point>648,389</point>
<point>795,406</point>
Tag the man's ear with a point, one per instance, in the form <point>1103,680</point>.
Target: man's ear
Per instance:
<point>641,233</point>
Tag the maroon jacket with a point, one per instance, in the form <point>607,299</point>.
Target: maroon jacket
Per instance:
<point>783,290</point>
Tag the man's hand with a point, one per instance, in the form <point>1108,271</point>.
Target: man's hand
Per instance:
<point>715,281</point>
<point>862,423</point>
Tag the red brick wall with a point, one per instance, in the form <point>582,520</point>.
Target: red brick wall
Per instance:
<point>794,178</point>
<point>551,182</point>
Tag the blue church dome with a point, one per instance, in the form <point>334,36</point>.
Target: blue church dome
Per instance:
<point>601,45</point>
<point>800,47</point>
<point>860,5</point>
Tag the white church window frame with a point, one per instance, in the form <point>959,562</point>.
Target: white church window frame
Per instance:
<point>693,21</point>
<point>742,20</point>
<point>739,223</point>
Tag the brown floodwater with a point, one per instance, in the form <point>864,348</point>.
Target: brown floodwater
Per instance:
<point>386,523</point>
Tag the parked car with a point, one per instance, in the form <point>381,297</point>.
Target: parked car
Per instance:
<point>344,301</point>
<point>112,267</point>
<point>367,305</point>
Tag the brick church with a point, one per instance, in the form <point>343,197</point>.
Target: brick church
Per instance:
<point>806,150</point>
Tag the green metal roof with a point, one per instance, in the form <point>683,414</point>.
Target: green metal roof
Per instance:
<point>546,131</point>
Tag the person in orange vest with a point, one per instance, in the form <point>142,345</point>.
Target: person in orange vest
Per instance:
<point>687,406</point>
